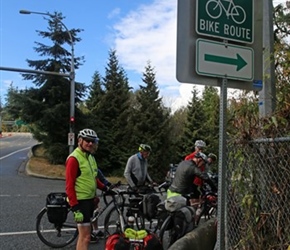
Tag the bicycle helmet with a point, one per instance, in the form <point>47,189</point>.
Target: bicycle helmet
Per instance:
<point>88,134</point>
<point>144,147</point>
<point>200,144</point>
<point>213,156</point>
<point>201,155</point>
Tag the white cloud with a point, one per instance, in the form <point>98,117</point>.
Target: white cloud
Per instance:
<point>114,13</point>
<point>149,34</point>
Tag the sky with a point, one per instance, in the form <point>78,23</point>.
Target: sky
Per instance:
<point>139,31</point>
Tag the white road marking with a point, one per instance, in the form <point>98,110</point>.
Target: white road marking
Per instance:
<point>14,153</point>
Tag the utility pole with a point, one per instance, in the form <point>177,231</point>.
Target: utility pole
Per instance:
<point>267,96</point>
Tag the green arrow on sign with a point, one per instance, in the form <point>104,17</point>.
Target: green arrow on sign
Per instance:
<point>239,61</point>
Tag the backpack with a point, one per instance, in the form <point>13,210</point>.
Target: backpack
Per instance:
<point>184,221</point>
<point>57,208</point>
<point>150,203</point>
<point>117,241</point>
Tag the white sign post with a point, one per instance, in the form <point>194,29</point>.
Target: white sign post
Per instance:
<point>71,139</point>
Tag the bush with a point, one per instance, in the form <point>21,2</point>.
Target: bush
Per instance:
<point>56,153</point>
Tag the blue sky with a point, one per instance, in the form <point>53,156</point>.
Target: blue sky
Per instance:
<point>139,30</point>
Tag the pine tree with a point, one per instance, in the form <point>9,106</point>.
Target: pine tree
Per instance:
<point>210,127</point>
<point>111,109</point>
<point>151,124</point>
<point>47,106</point>
<point>193,127</point>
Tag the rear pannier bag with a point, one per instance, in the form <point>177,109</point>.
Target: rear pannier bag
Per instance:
<point>184,221</point>
<point>117,241</point>
<point>152,242</point>
<point>57,208</point>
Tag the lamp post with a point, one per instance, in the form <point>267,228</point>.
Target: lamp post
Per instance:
<point>71,135</point>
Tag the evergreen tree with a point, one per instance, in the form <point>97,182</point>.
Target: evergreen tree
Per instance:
<point>151,124</point>
<point>177,124</point>
<point>193,129</point>
<point>47,106</point>
<point>110,107</point>
<point>210,127</point>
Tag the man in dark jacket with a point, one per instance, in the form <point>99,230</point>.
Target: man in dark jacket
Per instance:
<point>186,171</point>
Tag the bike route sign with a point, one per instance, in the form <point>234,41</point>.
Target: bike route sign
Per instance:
<point>227,19</point>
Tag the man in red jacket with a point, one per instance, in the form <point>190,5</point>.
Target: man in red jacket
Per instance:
<point>81,184</point>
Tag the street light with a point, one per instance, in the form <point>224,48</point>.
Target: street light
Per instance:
<point>71,135</point>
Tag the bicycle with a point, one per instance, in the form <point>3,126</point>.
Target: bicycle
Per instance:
<point>128,211</point>
<point>63,233</point>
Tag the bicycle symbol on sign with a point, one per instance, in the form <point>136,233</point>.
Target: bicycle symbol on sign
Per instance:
<point>214,9</point>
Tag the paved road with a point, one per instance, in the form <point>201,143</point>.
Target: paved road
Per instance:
<point>22,196</point>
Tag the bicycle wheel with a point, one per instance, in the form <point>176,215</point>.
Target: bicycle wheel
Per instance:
<point>56,236</point>
<point>112,221</point>
<point>167,233</point>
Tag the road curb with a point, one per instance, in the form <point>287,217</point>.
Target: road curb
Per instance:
<point>29,172</point>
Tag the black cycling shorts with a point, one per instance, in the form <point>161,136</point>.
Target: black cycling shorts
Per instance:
<point>87,209</point>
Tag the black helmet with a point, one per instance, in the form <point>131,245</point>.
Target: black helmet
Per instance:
<point>144,147</point>
<point>201,155</point>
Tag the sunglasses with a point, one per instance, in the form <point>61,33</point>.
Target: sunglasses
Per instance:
<point>91,140</point>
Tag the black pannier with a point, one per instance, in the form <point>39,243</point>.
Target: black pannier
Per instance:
<point>150,203</point>
<point>57,208</point>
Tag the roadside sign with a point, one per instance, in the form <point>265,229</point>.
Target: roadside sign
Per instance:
<point>189,69</point>
<point>71,139</point>
<point>227,19</point>
<point>224,60</point>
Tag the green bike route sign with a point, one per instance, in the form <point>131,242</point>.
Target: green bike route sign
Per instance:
<point>227,19</point>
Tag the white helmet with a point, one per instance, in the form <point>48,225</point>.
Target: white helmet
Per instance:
<point>88,134</point>
<point>200,144</point>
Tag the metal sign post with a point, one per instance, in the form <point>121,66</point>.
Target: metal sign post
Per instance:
<point>222,167</point>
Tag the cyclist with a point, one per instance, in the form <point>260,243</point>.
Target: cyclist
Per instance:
<point>81,184</point>
<point>199,146</point>
<point>136,171</point>
<point>211,158</point>
<point>185,173</point>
